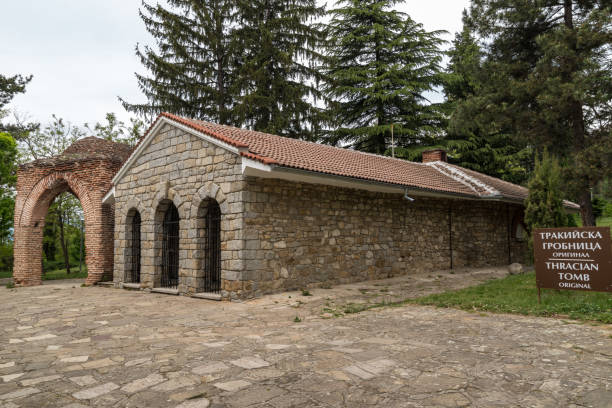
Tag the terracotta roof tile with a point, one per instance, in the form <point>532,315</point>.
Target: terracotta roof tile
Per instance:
<point>434,176</point>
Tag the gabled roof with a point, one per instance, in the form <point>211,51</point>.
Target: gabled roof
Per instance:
<point>281,152</point>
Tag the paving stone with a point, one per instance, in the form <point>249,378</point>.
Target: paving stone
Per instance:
<point>21,393</point>
<point>174,384</point>
<point>11,377</point>
<point>74,359</point>
<point>34,381</point>
<point>105,362</point>
<point>195,403</point>
<point>232,386</point>
<point>277,346</point>
<point>210,368</point>
<point>441,357</point>
<point>41,337</point>
<point>83,380</point>
<point>143,383</point>
<point>95,391</point>
<point>359,372</point>
<point>138,361</point>
<point>250,363</point>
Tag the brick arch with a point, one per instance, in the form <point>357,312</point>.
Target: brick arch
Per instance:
<point>85,169</point>
<point>46,190</point>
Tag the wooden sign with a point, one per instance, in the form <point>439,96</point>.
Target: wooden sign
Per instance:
<point>573,258</point>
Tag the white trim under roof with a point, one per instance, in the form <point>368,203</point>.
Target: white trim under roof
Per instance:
<point>162,120</point>
<point>109,198</point>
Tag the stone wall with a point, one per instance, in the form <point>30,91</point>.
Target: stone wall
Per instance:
<point>180,168</point>
<point>277,235</point>
<point>299,235</point>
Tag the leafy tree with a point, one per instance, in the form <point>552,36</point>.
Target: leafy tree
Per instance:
<point>277,54</point>
<point>549,80</point>
<point>49,141</point>
<point>380,64</point>
<point>544,204</point>
<point>9,87</point>
<point>117,131</point>
<point>192,72</point>
<point>8,153</point>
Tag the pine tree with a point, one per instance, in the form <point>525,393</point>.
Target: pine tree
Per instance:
<point>380,64</point>
<point>473,141</point>
<point>278,42</point>
<point>544,205</point>
<point>192,71</point>
<point>549,71</point>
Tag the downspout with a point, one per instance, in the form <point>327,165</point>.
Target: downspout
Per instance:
<point>450,231</point>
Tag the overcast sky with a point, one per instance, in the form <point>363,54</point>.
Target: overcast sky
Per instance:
<point>81,52</point>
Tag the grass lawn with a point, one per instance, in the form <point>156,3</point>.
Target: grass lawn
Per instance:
<point>61,274</point>
<point>54,275</point>
<point>604,222</point>
<point>518,294</point>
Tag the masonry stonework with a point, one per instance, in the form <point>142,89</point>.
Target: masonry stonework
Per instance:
<point>274,234</point>
<point>279,235</point>
<point>300,235</point>
<point>179,168</point>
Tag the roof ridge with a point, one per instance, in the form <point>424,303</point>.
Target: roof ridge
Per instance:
<point>457,174</point>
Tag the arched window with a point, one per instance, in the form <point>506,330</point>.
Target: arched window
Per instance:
<point>210,244</point>
<point>170,248</point>
<point>132,265</point>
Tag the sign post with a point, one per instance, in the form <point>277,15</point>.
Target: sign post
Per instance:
<point>573,259</point>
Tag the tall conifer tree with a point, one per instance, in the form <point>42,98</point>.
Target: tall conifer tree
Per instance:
<point>278,42</point>
<point>191,68</point>
<point>380,65</point>
<point>473,140</point>
<point>549,71</point>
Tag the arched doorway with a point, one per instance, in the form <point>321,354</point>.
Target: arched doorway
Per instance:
<point>85,170</point>
<point>168,235</point>
<point>209,234</point>
<point>133,249</point>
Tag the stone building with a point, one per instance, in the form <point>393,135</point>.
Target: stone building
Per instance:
<point>219,212</point>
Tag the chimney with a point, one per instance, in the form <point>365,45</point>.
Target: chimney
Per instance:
<point>434,155</point>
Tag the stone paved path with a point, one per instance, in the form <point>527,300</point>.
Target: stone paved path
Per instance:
<point>68,346</point>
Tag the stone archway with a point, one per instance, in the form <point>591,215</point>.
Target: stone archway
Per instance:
<point>85,169</point>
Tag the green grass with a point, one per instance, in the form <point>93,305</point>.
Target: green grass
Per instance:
<point>61,274</point>
<point>604,222</point>
<point>518,294</point>
<point>56,274</point>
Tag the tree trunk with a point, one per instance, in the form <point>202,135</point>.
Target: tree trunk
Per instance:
<point>577,121</point>
<point>586,208</point>
<point>64,246</point>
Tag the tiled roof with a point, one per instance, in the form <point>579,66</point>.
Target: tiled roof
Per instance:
<point>298,154</point>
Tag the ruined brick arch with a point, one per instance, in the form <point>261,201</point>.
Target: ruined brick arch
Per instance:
<point>39,199</point>
<point>85,169</point>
